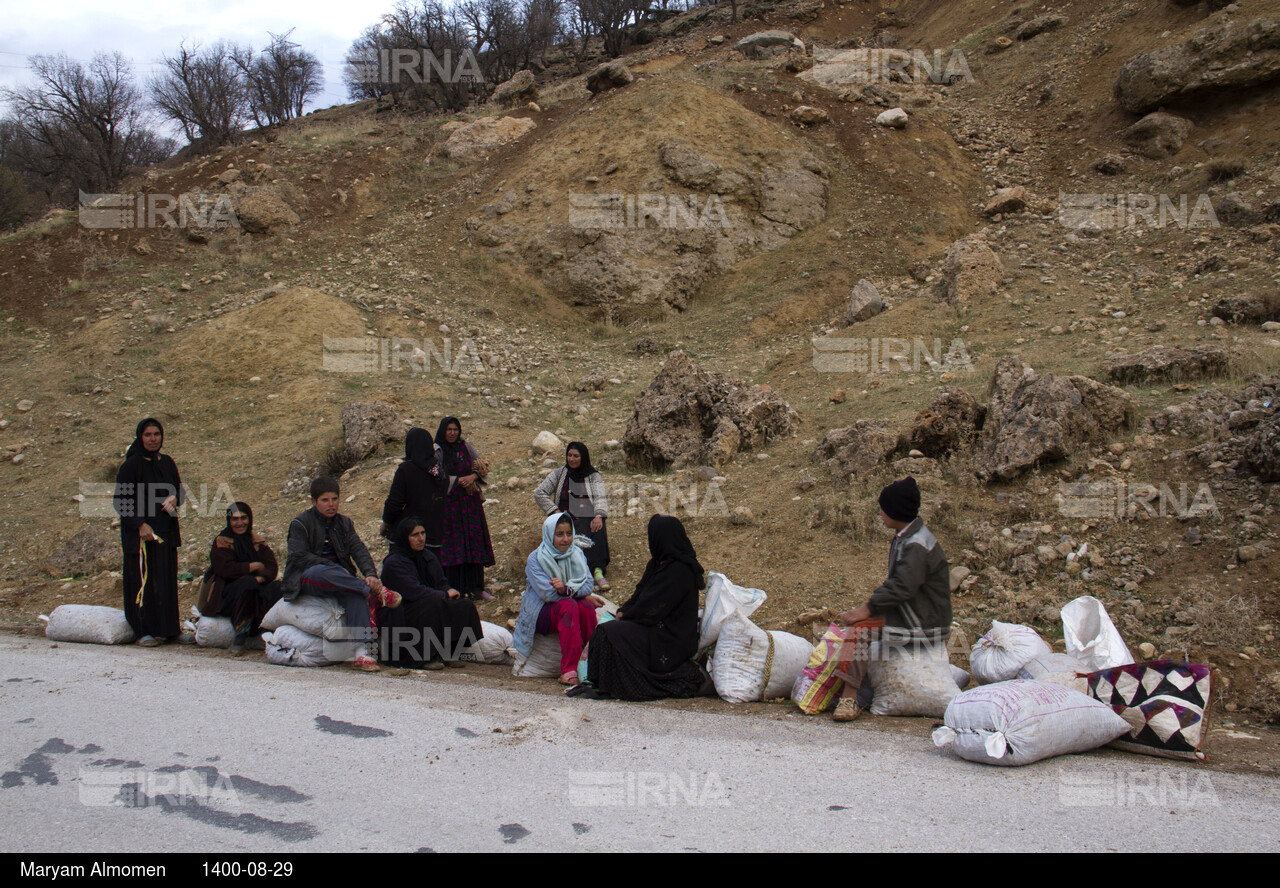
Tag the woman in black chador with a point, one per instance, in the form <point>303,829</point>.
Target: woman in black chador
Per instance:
<point>647,652</point>
<point>241,581</point>
<point>147,496</point>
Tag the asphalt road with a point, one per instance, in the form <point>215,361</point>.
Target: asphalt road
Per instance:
<point>110,749</point>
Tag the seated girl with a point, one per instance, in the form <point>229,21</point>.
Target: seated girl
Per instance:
<point>241,582</point>
<point>434,623</point>
<point>558,597</point>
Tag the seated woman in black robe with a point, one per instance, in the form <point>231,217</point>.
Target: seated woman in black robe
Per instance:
<point>241,580</point>
<point>647,652</point>
<point>434,624</point>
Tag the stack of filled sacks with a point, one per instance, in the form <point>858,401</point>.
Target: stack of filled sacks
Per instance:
<point>747,664</point>
<point>303,632</point>
<point>1039,704</point>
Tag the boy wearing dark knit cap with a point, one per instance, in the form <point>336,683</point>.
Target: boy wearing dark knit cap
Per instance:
<point>914,601</point>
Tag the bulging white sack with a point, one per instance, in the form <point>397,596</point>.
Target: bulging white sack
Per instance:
<point>1091,636</point>
<point>314,615</point>
<point>911,680</point>
<point>1020,722</point>
<point>290,646</point>
<point>88,624</point>
<point>724,598</point>
<point>1000,653</point>
<point>751,664</point>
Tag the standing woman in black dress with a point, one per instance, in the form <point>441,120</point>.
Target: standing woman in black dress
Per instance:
<point>418,490</point>
<point>147,496</point>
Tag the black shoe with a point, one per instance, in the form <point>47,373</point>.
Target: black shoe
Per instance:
<point>582,689</point>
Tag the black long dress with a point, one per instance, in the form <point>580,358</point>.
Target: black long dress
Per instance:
<point>144,481</point>
<point>418,488</point>
<point>428,624</point>
<point>647,653</point>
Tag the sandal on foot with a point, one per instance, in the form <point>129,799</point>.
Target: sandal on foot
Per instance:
<point>148,641</point>
<point>365,664</point>
<point>847,710</point>
<point>569,678</point>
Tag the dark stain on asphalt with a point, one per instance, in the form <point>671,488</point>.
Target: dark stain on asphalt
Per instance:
<point>837,807</point>
<point>512,833</point>
<point>581,829</point>
<point>272,792</point>
<point>37,767</point>
<point>347,729</point>
<point>116,763</point>
<point>285,831</point>
<point>89,748</point>
<point>57,746</point>
<point>463,732</point>
<point>425,850</point>
<point>25,721</point>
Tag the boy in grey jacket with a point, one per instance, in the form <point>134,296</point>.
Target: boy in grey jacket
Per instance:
<point>325,553</point>
<point>914,601</point>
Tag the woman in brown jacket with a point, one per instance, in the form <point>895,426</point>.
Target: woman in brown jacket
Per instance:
<point>241,580</point>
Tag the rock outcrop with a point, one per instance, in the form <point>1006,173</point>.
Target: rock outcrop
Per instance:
<point>688,416</point>
<point>367,426</point>
<point>971,271</point>
<point>1033,419</point>
<point>521,88</point>
<point>1224,60</point>
<point>1161,362</point>
<point>1158,135</point>
<point>951,423</point>
<point>473,141</point>
<point>858,450</point>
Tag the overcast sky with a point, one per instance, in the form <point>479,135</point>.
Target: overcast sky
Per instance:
<point>144,30</point>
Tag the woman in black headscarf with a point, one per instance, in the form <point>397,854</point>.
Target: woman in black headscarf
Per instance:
<point>577,489</point>
<point>647,652</point>
<point>434,622</point>
<point>147,496</point>
<point>466,549</point>
<point>418,489</point>
<point>241,580</point>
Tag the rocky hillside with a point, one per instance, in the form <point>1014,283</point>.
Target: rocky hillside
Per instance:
<point>1028,254</point>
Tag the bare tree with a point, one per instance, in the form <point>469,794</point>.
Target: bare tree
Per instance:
<point>613,20</point>
<point>279,79</point>
<point>204,91</point>
<point>363,71</point>
<point>82,128</point>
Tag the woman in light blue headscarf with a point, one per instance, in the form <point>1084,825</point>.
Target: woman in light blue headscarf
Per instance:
<point>558,596</point>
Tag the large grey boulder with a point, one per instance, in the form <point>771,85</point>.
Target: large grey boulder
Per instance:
<point>367,426</point>
<point>474,140</point>
<point>1161,362</point>
<point>864,303</point>
<point>858,450</point>
<point>1223,60</point>
<point>689,416</point>
<point>971,271</point>
<point>521,88</point>
<point>610,75</point>
<point>766,44</point>
<point>1158,135</point>
<point>1034,419</point>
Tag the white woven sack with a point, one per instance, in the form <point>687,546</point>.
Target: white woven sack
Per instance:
<point>1004,650</point>
<point>215,632</point>
<point>543,660</point>
<point>494,648</point>
<point>1020,722</point>
<point>961,677</point>
<point>312,614</point>
<point>88,624</point>
<point>1059,669</point>
<point>1091,636</point>
<point>751,664</point>
<point>724,598</point>
<point>290,646</point>
<point>911,680</point>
